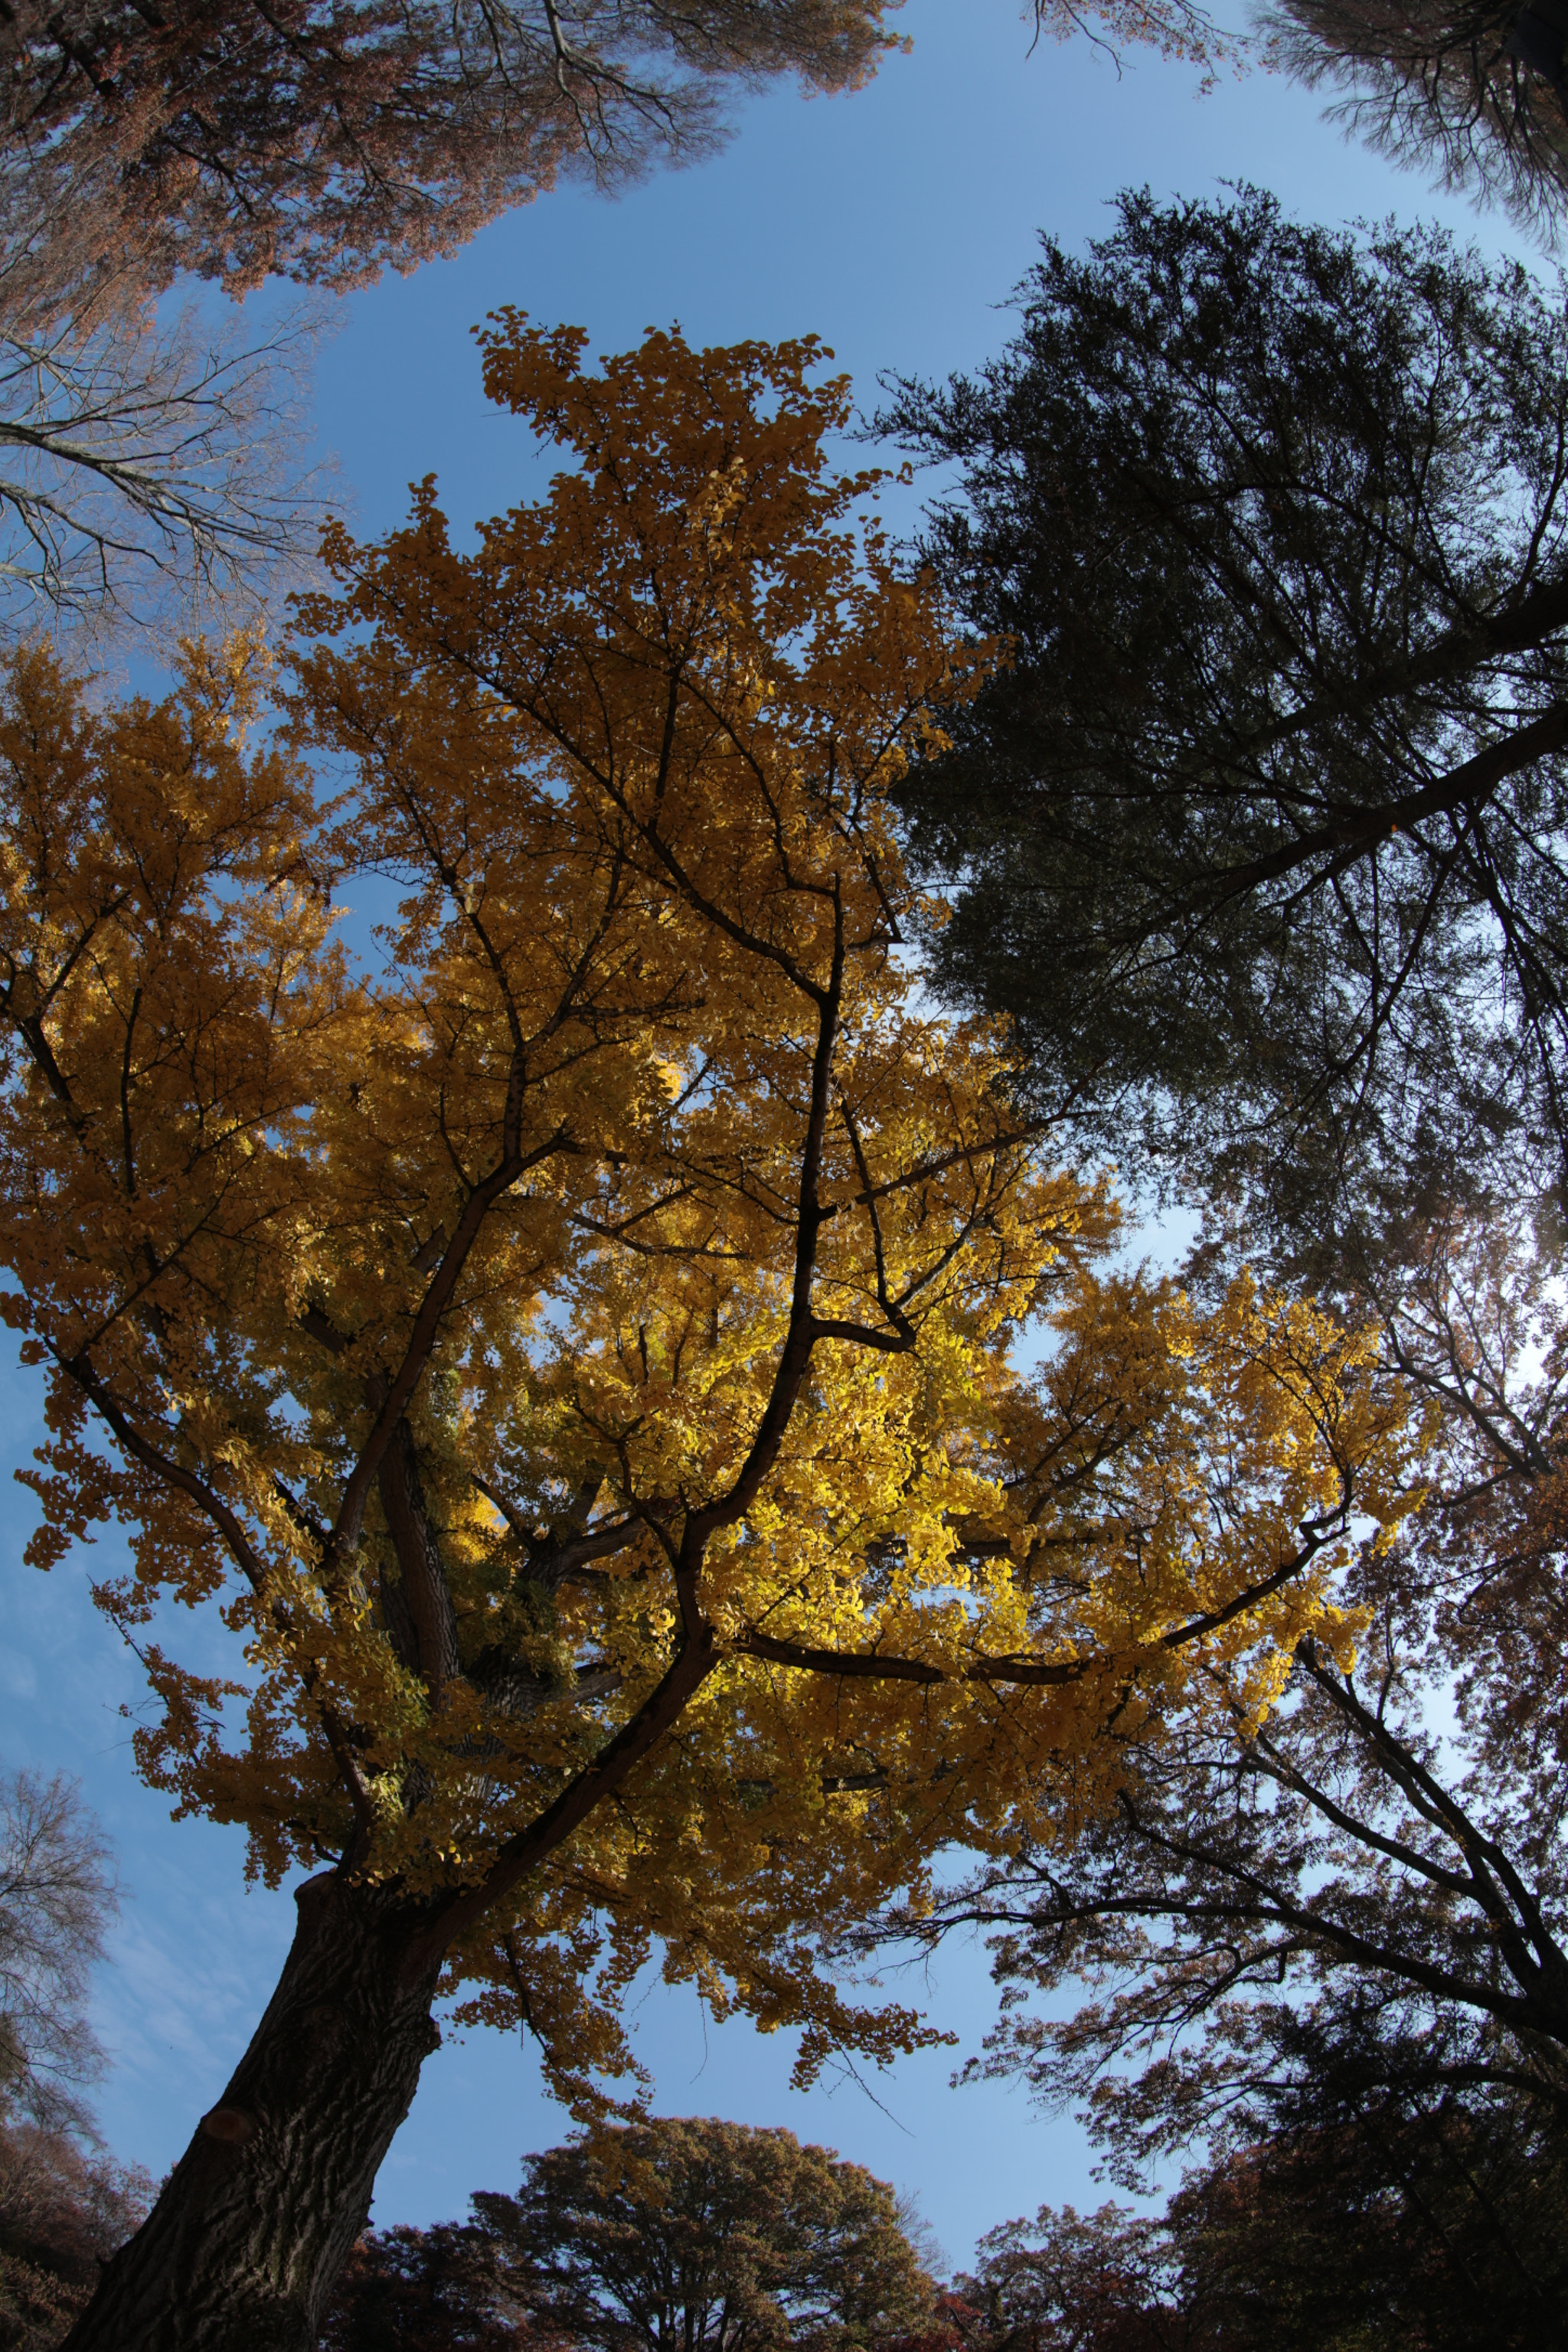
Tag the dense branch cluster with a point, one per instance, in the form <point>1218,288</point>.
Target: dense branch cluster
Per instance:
<point>1260,837</point>
<point>1275,521</point>
<point>322,141</point>
<point>1476,94</point>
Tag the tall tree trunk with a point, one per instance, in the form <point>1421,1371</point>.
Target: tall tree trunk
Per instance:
<point>252,2227</point>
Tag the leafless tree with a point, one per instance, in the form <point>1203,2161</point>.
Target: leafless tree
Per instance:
<point>57,1895</point>
<point>148,466</point>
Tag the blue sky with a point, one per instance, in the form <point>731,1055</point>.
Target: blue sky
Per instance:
<point>893,224</point>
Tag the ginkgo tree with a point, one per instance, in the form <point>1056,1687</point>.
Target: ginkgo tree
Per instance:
<point>575,1349</point>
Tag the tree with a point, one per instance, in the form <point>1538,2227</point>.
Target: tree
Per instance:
<point>438,2289</point>
<point>1477,93</point>
<point>147,465</point>
<point>1324,1861</point>
<point>321,141</point>
<point>575,1356</point>
<point>150,466</point>
<point>1269,839</point>
<point>1335,1946</point>
<point>1102,2282</point>
<point>1390,2224</point>
<point>1177,28</point>
<point>63,2208</point>
<point>704,2236</point>
<point>67,251</point>
<point>1261,835</point>
<point>57,1899</point>
<point>1316,2238</point>
<point>662,2234</point>
<point>63,2211</point>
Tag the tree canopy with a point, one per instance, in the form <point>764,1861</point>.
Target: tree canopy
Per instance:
<point>1477,93</point>
<point>436,2290</point>
<point>322,141</point>
<point>706,2236</point>
<point>64,2209</point>
<point>1365,2232</point>
<point>668,2235</point>
<point>1331,1951</point>
<point>575,1355</point>
<point>1259,835</point>
<point>1259,842</point>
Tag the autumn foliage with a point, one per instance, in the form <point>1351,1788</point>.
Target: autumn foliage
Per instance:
<point>574,1348</point>
<point>63,2211</point>
<point>322,140</point>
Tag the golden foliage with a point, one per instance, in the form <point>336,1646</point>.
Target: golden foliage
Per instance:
<point>579,1354</point>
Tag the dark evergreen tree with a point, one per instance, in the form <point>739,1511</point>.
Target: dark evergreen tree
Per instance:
<point>434,2290</point>
<point>1262,831</point>
<point>1259,842</point>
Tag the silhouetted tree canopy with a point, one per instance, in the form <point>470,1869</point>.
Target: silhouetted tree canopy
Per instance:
<point>1260,836</point>
<point>1472,91</point>
<point>1382,2230</point>
<point>436,2290</point>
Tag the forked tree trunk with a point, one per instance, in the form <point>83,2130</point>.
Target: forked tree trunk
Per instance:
<point>252,2226</point>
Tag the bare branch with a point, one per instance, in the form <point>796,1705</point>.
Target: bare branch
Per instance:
<point>148,468</point>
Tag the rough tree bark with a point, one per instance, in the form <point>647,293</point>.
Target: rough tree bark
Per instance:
<point>258,2217</point>
<point>252,2227</point>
